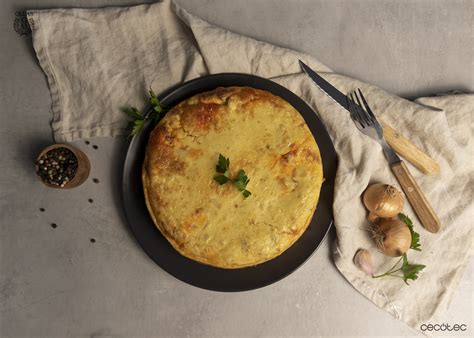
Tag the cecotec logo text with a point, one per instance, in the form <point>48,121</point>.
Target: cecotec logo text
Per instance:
<point>443,327</point>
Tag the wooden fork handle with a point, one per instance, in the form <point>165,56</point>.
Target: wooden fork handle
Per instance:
<point>409,151</point>
<point>417,199</point>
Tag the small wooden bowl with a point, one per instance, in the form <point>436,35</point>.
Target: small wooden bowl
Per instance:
<point>83,166</point>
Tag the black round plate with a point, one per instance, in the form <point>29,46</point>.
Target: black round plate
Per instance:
<point>208,277</point>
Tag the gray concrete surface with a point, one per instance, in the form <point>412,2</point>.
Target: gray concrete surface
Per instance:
<point>57,283</point>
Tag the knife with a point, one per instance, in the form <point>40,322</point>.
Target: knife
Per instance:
<point>420,204</point>
<point>400,144</point>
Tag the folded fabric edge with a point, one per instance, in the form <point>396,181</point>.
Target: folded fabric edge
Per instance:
<point>193,21</point>
<point>43,59</point>
<point>376,296</point>
<point>363,289</point>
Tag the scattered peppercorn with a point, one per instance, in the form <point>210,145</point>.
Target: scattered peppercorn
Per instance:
<point>54,225</point>
<point>42,209</point>
<point>87,142</point>
<point>91,200</point>
<point>92,240</point>
<point>57,167</point>
<point>95,180</point>
<point>95,146</point>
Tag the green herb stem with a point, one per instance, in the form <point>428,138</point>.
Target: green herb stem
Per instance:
<point>240,181</point>
<point>391,270</point>
<point>139,119</point>
<point>409,271</point>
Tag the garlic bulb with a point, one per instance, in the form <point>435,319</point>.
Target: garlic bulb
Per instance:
<point>383,201</point>
<point>363,260</point>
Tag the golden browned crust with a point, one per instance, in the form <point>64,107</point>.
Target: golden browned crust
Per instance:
<point>260,133</point>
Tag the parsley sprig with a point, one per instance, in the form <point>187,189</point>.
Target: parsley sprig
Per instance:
<point>240,181</point>
<point>139,119</point>
<point>415,236</point>
<point>408,271</point>
<point>222,167</point>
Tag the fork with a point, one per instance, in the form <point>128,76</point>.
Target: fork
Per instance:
<point>367,123</point>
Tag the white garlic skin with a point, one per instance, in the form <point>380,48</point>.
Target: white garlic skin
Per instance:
<point>363,260</point>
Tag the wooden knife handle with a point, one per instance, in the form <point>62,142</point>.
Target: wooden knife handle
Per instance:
<point>417,199</point>
<point>410,152</point>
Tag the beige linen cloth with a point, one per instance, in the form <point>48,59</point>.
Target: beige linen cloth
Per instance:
<point>98,61</point>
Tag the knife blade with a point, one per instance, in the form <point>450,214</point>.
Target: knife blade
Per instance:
<point>417,199</point>
<point>401,145</point>
<point>326,87</point>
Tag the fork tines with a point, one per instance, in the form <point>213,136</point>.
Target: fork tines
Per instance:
<point>360,110</point>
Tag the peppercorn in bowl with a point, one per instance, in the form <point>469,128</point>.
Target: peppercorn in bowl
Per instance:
<point>62,166</point>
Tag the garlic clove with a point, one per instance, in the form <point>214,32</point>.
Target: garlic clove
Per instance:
<point>363,260</point>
